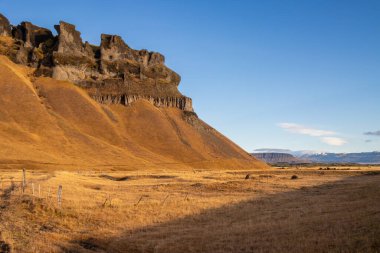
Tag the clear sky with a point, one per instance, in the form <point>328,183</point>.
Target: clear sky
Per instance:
<point>296,74</point>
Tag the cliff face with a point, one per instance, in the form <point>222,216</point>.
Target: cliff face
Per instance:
<point>111,73</point>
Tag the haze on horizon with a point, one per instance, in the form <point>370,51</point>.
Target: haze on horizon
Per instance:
<point>300,75</point>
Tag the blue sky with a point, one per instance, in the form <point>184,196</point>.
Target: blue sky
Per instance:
<point>296,74</point>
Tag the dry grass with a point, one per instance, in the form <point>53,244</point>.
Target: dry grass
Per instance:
<point>193,211</point>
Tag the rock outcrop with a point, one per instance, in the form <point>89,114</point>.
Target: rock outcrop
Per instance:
<point>32,35</point>
<point>111,73</point>
<point>32,42</point>
<point>5,27</point>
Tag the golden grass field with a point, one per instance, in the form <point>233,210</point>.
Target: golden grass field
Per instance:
<point>192,211</point>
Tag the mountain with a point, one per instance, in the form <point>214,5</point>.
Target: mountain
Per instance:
<point>278,158</point>
<point>69,104</point>
<point>364,157</point>
<point>275,156</point>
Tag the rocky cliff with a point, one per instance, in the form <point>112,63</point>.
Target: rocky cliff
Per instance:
<point>112,73</point>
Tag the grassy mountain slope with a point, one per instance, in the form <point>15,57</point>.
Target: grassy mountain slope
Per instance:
<point>49,123</point>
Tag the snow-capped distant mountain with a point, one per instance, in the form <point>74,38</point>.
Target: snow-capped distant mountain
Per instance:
<point>364,157</point>
<point>326,157</point>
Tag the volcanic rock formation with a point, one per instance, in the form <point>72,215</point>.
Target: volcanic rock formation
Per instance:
<point>111,73</point>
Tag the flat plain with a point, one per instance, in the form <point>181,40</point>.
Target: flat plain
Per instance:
<point>272,210</point>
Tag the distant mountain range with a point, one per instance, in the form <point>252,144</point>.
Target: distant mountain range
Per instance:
<point>289,156</point>
<point>364,157</point>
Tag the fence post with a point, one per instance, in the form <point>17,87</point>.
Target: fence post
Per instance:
<point>163,202</point>
<point>33,189</point>
<point>138,202</point>
<point>39,190</point>
<point>23,180</point>
<point>59,195</point>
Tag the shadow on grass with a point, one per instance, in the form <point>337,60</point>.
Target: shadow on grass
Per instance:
<point>343,216</point>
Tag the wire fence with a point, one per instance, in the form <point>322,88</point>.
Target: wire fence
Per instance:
<point>25,185</point>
